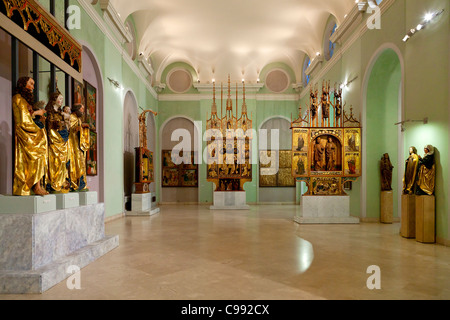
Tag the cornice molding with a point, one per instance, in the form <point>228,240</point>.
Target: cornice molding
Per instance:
<point>358,33</point>
<point>314,64</point>
<point>145,65</point>
<point>97,19</point>
<point>114,21</point>
<point>350,21</point>
<point>208,96</point>
<point>249,87</point>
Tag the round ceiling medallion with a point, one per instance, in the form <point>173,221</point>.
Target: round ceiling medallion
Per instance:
<point>277,80</point>
<point>179,80</point>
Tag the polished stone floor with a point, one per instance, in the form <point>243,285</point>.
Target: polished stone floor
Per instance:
<point>192,253</point>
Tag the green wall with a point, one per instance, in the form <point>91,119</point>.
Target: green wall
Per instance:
<point>422,64</point>
<point>382,105</point>
<point>112,65</point>
<point>380,64</point>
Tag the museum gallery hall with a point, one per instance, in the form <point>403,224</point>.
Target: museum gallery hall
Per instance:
<point>224,150</point>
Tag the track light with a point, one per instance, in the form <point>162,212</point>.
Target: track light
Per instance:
<point>427,19</point>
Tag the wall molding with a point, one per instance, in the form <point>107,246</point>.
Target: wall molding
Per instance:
<point>115,22</point>
<point>251,96</point>
<point>97,19</point>
<point>357,34</point>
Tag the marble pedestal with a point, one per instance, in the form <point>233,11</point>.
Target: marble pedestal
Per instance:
<point>29,204</point>
<point>67,200</point>
<point>387,207</point>
<point>88,197</point>
<point>408,222</point>
<point>425,219</point>
<point>142,205</point>
<point>230,200</point>
<point>37,249</point>
<point>325,210</point>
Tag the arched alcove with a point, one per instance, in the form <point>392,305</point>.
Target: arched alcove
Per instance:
<point>130,142</point>
<point>177,194</point>
<point>382,100</point>
<point>93,75</point>
<point>267,193</point>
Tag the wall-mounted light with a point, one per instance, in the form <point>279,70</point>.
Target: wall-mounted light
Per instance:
<point>348,82</point>
<point>115,83</point>
<point>427,19</point>
<point>402,123</point>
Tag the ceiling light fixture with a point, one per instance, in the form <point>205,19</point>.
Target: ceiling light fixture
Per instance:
<point>427,19</point>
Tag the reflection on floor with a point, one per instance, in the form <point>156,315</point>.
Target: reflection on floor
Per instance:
<point>192,253</point>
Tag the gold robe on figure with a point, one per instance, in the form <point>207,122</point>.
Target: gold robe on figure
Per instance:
<point>409,178</point>
<point>58,155</point>
<point>30,151</point>
<point>78,146</point>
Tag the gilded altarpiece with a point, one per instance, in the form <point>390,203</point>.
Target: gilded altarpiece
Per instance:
<point>326,144</point>
<point>229,146</point>
<point>144,173</point>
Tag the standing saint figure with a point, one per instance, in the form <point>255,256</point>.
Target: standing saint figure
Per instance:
<point>300,142</point>
<point>319,156</point>
<point>386,173</point>
<point>78,146</point>
<point>30,142</point>
<point>409,179</point>
<point>58,152</point>
<point>427,172</point>
<point>330,154</point>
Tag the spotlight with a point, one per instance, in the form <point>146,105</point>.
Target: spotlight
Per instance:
<point>427,19</point>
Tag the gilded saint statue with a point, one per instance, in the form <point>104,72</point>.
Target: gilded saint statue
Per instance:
<point>30,142</point>
<point>58,152</point>
<point>409,179</point>
<point>330,154</point>
<point>78,146</point>
<point>386,168</point>
<point>319,156</point>
<point>426,173</point>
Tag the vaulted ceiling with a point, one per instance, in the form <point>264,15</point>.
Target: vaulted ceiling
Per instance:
<point>236,37</point>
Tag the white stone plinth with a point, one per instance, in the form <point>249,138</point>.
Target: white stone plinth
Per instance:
<point>27,204</point>
<point>230,200</point>
<point>67,200</point>
<point>325,210</point>
<point>141,205</point>
<point>36,249</point>
<point>88,197</point>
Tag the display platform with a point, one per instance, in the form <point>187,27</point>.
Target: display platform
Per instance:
<point>230,200</point>
<point>37,248</point>
<point>325,210</point>
<point>387,207</point>
<point>408,221</point>
<point>142,205</point>
<point>426,219</point>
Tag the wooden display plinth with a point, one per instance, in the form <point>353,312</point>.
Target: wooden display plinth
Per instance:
<point>387,207</point>
<point>408,224</point>
<point>425,219</point>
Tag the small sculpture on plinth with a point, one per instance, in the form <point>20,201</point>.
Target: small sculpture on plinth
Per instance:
<point>426,172</point>
<point>386,168</point>
<point>409,179</point>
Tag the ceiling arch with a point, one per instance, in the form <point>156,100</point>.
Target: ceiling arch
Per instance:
<point>235,37</point>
